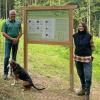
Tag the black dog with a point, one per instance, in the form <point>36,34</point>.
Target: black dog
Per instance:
<point>21,73</point>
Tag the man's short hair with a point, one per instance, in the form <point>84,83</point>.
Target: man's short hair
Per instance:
<point>12,11</point>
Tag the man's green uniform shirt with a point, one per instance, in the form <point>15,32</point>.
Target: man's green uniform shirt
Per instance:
<point>12,28</point>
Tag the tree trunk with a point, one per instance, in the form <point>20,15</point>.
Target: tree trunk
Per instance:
<point>35,2</point>
<point>0,8</point>
<point>6,6</point>
<point>99,28</point>
<point>50,2</point>
<point>59,2</point>
<point>88,14</point>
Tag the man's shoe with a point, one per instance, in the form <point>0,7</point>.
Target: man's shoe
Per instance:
<point>5,77</point>
<point>86,97</point>
<point>81,92</point>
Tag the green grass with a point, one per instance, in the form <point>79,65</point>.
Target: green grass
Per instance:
<point>53,60</point>
<point>47,60</point>
<point>96,61</point>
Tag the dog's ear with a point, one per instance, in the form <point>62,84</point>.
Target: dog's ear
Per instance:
<point>14,62</point>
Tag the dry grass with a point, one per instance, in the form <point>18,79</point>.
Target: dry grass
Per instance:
<point>56,89</point>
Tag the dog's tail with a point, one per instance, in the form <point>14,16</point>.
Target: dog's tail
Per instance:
<point>37,87</point>
<point>34,86</point>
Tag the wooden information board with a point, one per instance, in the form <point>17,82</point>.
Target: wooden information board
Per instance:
<point>49,25</point>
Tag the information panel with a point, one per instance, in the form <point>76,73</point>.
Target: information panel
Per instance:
<point>48,25</point>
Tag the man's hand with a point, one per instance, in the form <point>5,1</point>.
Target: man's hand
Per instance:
<point>15,40</point>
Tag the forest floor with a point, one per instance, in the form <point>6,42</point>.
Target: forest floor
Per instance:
<point>56,89</point>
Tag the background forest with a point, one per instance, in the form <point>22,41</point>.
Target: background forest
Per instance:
<point>49,65</point>
<point>87,10</point>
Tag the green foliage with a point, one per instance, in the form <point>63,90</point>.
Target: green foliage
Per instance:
<point>80,13</point>
<point>1,24</point>
<point>96,61</point>
<point>97,45</point>
<point>17,6</point>
<point>43,2</point>
<point>95,17</point>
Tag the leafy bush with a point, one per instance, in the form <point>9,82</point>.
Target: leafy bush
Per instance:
<point>97,45</point>
<point>96,61</point>
<point>1,24</point>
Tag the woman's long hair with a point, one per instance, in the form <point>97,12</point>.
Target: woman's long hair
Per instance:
<point>84,26</point>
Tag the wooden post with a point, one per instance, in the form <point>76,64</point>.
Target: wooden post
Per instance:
<point>68,41</point>
<point>0,8</point>
<point>6,7</point>
<point>71,49</point>
<point>25,43</point>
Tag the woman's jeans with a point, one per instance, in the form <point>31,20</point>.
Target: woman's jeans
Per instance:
<point>8,47</point>
<point>84,70</point>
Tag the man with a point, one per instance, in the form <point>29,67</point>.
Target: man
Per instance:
<point>12,34</point>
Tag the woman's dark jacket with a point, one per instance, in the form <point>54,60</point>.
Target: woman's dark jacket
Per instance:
<point>82,44</point>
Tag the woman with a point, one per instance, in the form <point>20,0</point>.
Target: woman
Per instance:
<point>83,58</point>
